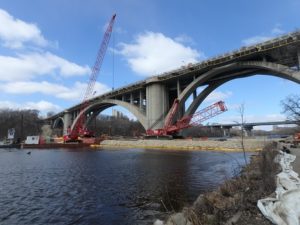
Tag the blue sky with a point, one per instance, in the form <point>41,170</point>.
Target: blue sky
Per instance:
<point>48,47</point>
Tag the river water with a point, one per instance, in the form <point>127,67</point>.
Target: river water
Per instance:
<point>105,187</point>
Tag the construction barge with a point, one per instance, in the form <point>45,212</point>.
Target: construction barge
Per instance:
<point>36,142</point>
<point>55,145</point>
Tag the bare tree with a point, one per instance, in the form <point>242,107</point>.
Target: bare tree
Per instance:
<point>242,116</point>
<point>25,122</point>
<point>291,107</point>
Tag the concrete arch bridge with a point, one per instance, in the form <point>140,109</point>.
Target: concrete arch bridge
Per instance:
<point>150,100</point>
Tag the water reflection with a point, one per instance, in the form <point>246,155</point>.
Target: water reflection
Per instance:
<point>105,187</point>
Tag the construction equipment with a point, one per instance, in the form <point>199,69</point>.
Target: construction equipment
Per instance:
<point>187,121</point>
<point>296,140</point>
<point>79,129</point>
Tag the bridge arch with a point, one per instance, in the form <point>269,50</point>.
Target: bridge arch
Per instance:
<point>57,121</point>
<point>248,68</point>
<point>101,105</point>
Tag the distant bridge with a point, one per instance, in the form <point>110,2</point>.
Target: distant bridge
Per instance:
<point>150,100</point>
<point>248,127</point>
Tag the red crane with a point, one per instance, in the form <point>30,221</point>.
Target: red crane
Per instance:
<point>79,129</point>
<point>187,121</point>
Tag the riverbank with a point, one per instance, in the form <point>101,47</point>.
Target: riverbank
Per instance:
<point>183,144</point>
<point>235,202</point>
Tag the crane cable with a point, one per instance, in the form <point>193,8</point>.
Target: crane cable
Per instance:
<point>113,79</point>
<point>113,63</point>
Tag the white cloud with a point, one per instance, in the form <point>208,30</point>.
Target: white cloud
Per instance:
<point>28,61</point>
<point>153,53</point>
<point>276,30</point>
<point>30,65</point>
<point>9,105</point>
<point>213,97</point>
<point>42,106</point>
<point>74,93</point>
<point>78,90</point>
<point>256,39</point>
<point>14,32</point>
<point>218,96</point>
<point>24,87</point>
<point>183,38</point>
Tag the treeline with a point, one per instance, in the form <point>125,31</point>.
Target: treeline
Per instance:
<point>113,126</point>
<point>25,123</point>
<point>28,122</point>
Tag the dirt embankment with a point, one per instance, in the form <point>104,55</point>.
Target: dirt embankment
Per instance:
<point>235,201</point>
<point>221,145</point>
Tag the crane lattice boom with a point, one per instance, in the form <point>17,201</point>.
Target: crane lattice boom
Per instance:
<point>188,121</point>
<point>79,129</point>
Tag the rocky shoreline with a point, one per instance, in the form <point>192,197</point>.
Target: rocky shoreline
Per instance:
<point>234,202</point>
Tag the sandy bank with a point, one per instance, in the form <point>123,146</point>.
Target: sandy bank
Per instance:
<point>228,145</point>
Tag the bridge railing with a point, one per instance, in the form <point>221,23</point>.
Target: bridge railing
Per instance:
<point>277,42</point>
<point>241,52</point>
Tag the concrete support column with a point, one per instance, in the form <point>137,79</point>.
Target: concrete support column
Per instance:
<point>178,88</point>
<point>141,100</point>
<point>123,98</point>
<point>226,131</point>
<point>248,131</point>
<point>157,105</point>
<point>131,98</point>
<point>67,121</point>
<point>298,53</point>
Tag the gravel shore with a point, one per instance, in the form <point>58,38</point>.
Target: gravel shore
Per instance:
<point>181,144</point>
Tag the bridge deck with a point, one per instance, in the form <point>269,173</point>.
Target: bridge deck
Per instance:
<point>282,49</point>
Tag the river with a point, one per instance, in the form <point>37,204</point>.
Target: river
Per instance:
<point>105,187</point>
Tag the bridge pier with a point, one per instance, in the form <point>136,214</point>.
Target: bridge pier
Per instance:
<point>248,130</point>
<point>67,121</point>
<point>226,131</point>
<point>157,105</point>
